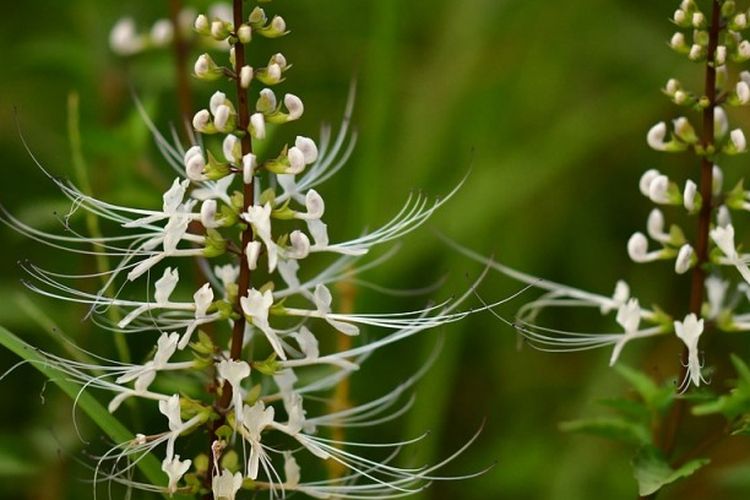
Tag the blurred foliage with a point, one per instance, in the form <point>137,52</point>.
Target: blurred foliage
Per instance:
<point>546,103</point>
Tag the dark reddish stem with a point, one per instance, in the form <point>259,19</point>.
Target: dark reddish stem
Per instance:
<point>243,283</point>
<point>698,277</point>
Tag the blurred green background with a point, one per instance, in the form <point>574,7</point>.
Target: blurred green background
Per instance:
<point>547,103</point>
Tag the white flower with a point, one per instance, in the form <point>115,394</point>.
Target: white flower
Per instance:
<point>258,124</point>
<point>175,469</point>
<point>679,17</point>
<point>226,485</point>
<point>203,298</point>
<point>698,19</point>
<point>723,237</point>
<point>274,73</point>
<point>716,291</point>
<point>315,206</point>
<point>323,300</point>
<point>228,274</point>
<point>260,218</point>
<point>656,135</point>
<point>720,57</point>
<point>205,67</point>
<point>717,180</point>
<point>255,420</point>
<point>294,106</point>
<point>743,50</point>
<point>234,372</point>
<point>266,103</point>
<point>688,195</point>
<point>629,318</point>
<point>170,408</point>
<point>684,259</point>
<point>202,24</point>
<point>677,41</point>
<point>645,182</point>
<point>723,217</point>
<point>689,331</point>
<point>308,344</point>
<point>166,285</point>
<point>244,34</point>
<point>291,471</point>
<point>256,306</point>
<point>619,297</point>
<point>195,163</point>
<point>696,52</point>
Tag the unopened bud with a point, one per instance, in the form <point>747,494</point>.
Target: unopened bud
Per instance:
<point>246,76</point>
<point>245,34</point>
<point>258,126</point>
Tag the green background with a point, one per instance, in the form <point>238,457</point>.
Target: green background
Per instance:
<point>546,103</point>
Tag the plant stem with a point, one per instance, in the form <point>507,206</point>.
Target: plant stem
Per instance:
<point>698,278</point>
<point>243,283</point>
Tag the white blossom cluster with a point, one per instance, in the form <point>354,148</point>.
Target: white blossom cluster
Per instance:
<point>724,299</point>
<point>285,310</point>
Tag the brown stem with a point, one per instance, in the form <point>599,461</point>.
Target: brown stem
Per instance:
<point>243,283</point>
<point>181,55</point>
<point>704,218</point>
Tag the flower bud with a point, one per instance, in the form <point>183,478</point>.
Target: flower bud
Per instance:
<point>696,52</point>
<point>194,164</point>
<point>739,22</point>
<point>684,130</point>
<point>162,32</point>
<point>300,245</point>
<point>249,162</point>
<point>245,34</point>
<point>202,25</point>
<point>252,252</point>
<point>664,192</point>
<point>638,248</point>
<point>689,195</point>
<point>717,180</point>
<point>217,99</point>
<point>723,217</point>
<point>737,143</point>
<point>275,29</point>
<point>314,204</point>
<point>296,161</point>
<point>202,122</point>
<point>223,119</point>
<point>684,260</point>
<point>294,106</point>
<point>206,69</point>
<point>680,18</point>
<point>743,51</point>
<point>720,57</point>
<point>677,42</point>
<point>721,122</point>
<point>742,89</point>
<point>232,148</point>
<point>266,103</point>
<point>257,126</point>
<point>672,86</point>
<point>308,148</point>
<point>655,226</point>
<point>246,76</point>
<point>208,214</point>
<point>220,30</point>
<point>680,97</point>
<point>645,182</point>
<point>257,18</point>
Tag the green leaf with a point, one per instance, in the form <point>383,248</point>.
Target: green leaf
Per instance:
<point>610,427</point>
<point>653,472</point>
<point>149,465</point>
<point>737,401</point>
<point>657,398</point>
<point>632,410</point>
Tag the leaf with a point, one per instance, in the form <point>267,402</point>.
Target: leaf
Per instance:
<point>653,472</point>
<point>737,401</point>
<point>657,398</point>
<point>610,427</point>
<point>149,465</point>
<point>632,410</point>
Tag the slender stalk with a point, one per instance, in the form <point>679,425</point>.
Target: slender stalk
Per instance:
<point>698,278</point>
<point>243,283</point>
